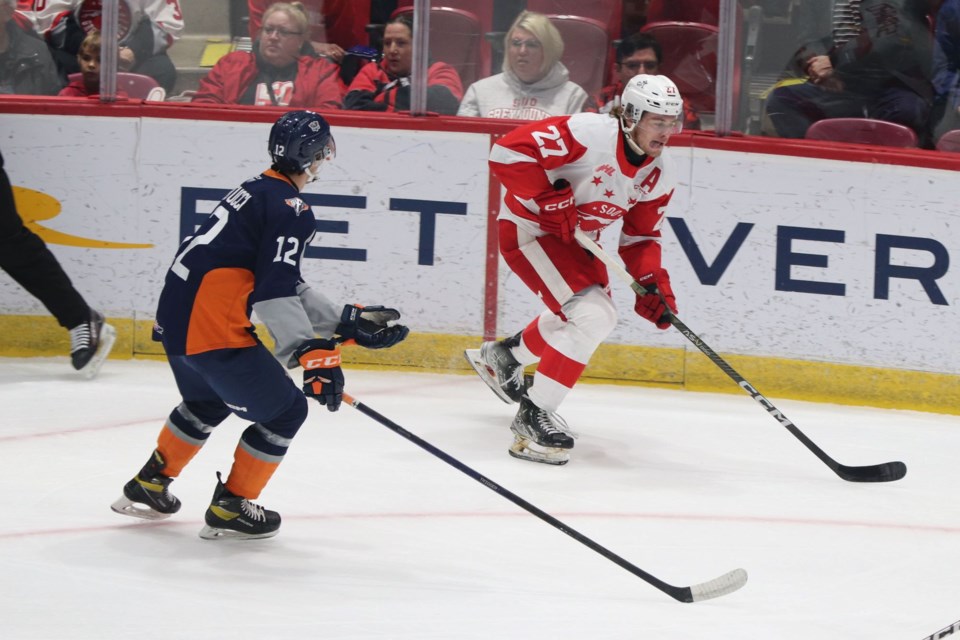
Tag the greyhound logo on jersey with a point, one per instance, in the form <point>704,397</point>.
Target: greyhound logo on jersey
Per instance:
<point>598,215</point>
<point>297,205</point>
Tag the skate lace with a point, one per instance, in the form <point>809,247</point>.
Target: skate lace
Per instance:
<point>552,423</point>
<point>80,337</point>
<point>253,510</point>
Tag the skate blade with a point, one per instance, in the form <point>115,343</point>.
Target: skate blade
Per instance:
<point>524,449</point>
<point>125,506</point>
<point>489,377</point>
<point>216,533</point>
<point>108,335</point>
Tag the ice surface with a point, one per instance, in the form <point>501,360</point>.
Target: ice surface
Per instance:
<point>380,539</point>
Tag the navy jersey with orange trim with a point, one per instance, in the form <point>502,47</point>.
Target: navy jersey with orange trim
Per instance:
<point>248,251</point>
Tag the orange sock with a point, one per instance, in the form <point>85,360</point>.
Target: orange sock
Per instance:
<point>176,452</point>
<point>249,475</point>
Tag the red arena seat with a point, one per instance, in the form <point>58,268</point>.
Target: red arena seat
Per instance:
<point>863,131</point>
<point>949,141</point>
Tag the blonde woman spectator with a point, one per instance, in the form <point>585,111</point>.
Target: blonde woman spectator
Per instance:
<point>277,72</point>
<point>534,84</point>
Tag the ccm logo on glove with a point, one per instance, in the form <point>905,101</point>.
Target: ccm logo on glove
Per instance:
<point>321,363</point>
<point>558,206</point>
<point>558,211</point>
<point>322,375</point>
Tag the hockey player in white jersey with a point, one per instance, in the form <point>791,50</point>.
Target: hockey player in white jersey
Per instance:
<point>585,170</point>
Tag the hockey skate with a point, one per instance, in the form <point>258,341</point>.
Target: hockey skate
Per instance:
<point>90,344</point>
<point>498,369</point>
<point>230,516</point>
<point>540,436</point>
<point>148,496</point>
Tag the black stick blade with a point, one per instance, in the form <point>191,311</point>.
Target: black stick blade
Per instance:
<point>886,472</point>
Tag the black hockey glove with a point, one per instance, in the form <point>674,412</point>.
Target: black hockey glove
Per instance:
<point>369,326</point>
<point>322,375</point>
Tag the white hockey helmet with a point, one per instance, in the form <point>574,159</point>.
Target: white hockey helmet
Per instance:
<point>653,94</point>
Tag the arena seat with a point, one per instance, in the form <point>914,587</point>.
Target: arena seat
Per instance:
<point>586,50</point>
<point>949,141</point>
<point>456,37</point>
<point>863,131</point>
<point>135,85</point>
<point>689,59</point>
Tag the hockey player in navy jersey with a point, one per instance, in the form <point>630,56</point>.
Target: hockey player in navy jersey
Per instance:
<point>585,170</point>
<point>246,257</point>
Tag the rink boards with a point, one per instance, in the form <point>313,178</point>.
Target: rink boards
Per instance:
<point>821,278</point>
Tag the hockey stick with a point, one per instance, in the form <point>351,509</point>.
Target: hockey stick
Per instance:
<point>721,586</point>
<point>943,633</point>
<point>884,472</point>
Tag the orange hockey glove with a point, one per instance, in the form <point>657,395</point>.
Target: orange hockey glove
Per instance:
<point>322,376</point>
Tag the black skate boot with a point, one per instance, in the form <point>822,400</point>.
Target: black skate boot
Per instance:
<point>540,436</point>
<point>90,344</point>
<point>496,366</point>
<point>230,516</point>
<point>148,496</point>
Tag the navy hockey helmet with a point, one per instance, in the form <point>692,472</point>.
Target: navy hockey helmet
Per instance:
<point>298,139</point>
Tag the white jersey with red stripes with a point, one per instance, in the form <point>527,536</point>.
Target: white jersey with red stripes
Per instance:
<point>165,16</point>
<point>586,150</point>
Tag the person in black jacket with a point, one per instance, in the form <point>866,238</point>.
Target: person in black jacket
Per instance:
<point>26,67</point>
<point>386,86</point>
<point>861,58</point>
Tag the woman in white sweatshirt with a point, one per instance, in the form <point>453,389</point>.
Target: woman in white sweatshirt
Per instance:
<point>534,84</point>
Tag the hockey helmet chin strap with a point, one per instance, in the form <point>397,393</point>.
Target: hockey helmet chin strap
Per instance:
<point>312,175</point>
<point>627,129</point>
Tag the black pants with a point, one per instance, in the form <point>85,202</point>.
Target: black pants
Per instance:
<point>27,259</point>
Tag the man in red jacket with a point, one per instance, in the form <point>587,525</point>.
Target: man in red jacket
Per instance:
<point>277,72</point>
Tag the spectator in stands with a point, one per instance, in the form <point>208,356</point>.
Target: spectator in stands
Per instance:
<point>640,53</point>
<point>386,86</point>
<point>26,67</point>
<point>335,25</point>
<point>534,84</point>
<point>861,58</point>
<point>946,69</point>
<point>276,72</point>
<point>147,28</point>
<point>89,60</point>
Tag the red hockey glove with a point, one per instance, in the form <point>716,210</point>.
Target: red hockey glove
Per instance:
<point>370,326</point>
<point>322,376</point>
<point>558,212</point>
<point>659,301</point>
